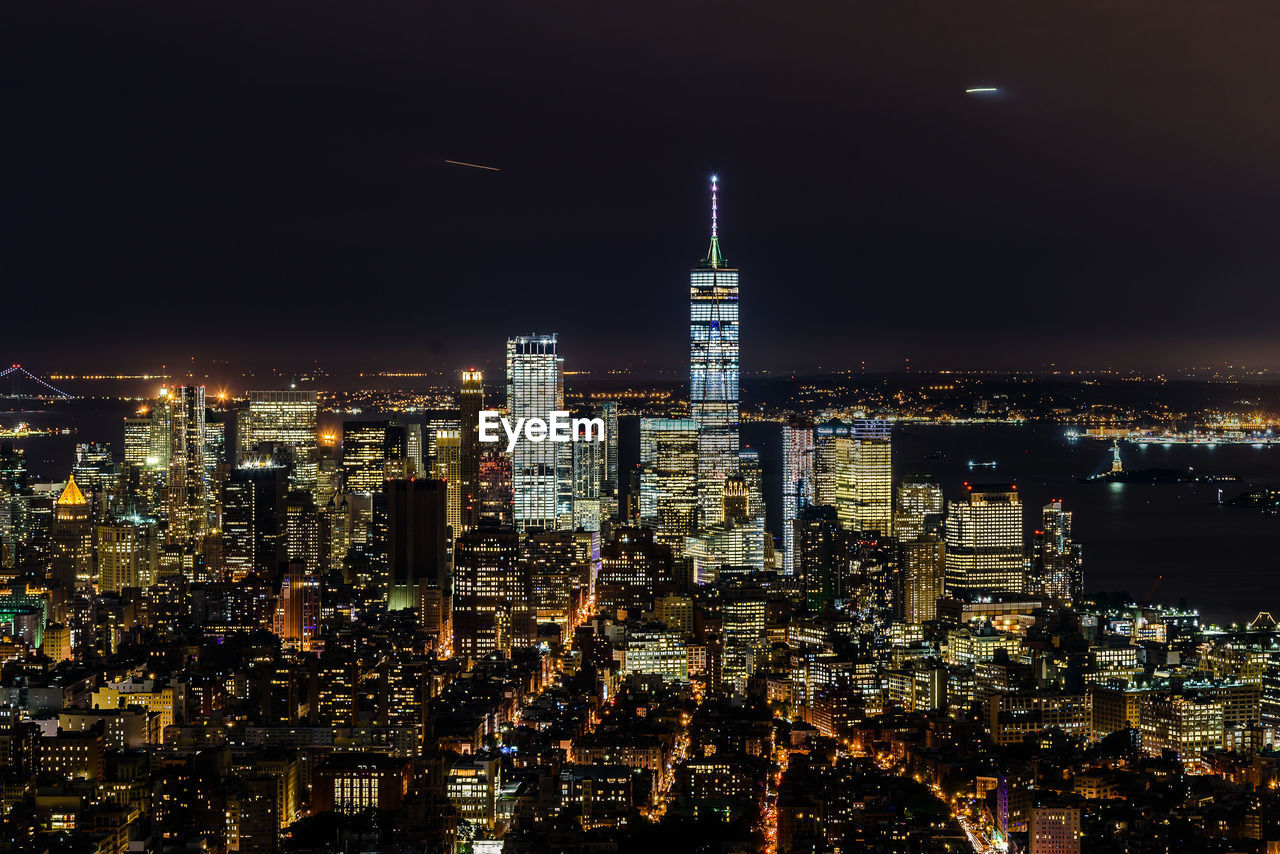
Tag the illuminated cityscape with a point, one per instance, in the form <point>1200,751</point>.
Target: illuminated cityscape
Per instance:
<point>368,483</point>
<point>335,618</point>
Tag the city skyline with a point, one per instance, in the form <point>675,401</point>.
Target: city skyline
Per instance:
<point>370,483</point>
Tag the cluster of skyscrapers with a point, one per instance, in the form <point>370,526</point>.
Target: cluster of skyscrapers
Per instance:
<point>421,584</point>
<point>431,518</point>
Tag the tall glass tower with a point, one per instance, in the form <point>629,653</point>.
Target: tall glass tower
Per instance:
<point>188,487</point>
<point>797,483</point>
<point>713,371</point>
<point>540,471</point>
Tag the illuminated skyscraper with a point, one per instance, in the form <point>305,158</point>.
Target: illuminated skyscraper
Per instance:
<point>923,577</point>
<point>369,450</point>
<point>540,471</point>
<point>304,535</point>
<point>797,483</point>
<point>126,555</point>
<point>984,541</point>
<point>562,568</point>
<point>833,454</point>
<point>713,370</point>
<point>188,483</point>
<point>609,490</point>
<point>872,476</point>
<point>496,500</point>
<point>1055,830</point>
<point>95,470</point>
<point>919,509</point>
<point>447,466</point>
<point>297,614</point>
<point>470,403</point>
<point>734,545</point>
<point>745,641</point>
<point>253,521</point>
<point>751,474</point>
<point>486,560</point>
<point>285,418</point>
<point>588,477</point>
<point>1057,559</point>
<point>161,416</point>
<point>669,479</point>
<point>72,537</point>
<point>137,439</point>
<point>414,450</point>
<point>737,542</point>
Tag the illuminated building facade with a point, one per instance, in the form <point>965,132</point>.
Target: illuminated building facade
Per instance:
<point>872,505</point>
<point>1187,726</point>
<point>496,499</point>
<point>72,538</point>
<point>984,541</point>
<point>919,508</point>
<point>797,483</point>
<point>368,449</point>
<point>283,418</point>
<point>1054,830</point>
<point>253,521</point>
<point>355,782</point>
<point>923,562</point>
<point>658,652</point>
<point>137,439</point>
<point>484,563</point>
<point>472,787</point>
<point>297,615</point>
<point>821,555</point>
<point>1057,560</point>
<point>304,536</point>
<point>744,641</point>
<point>669,460</point>
<point>633,567</point>
<point>561,574</point>
<point>413,450</point>
<point>446,466</point>
<point>187,507</point>
<point>540,471</point>
<point>609,488</point>
<point>737,543</point>
<point>589,459</point>
<point>126,555</point>
<point>713,370</point>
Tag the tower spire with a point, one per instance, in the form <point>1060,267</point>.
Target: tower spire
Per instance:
<point>715,186</point>
<point>714,259</point>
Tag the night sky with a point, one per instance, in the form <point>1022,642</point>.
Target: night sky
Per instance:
<point>265,181</point>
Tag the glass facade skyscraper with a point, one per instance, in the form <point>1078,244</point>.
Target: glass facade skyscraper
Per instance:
<point>668,478</point>
<point>188,487</point>
<point>873,476</point>
<point>713,371</point>
<point>797,483</point>
<point>286,418</point>
<point>540,471</point>
<point>1057,560</point>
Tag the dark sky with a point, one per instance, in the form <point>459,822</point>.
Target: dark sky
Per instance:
<point>264,181</point>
